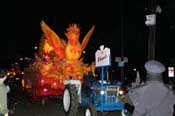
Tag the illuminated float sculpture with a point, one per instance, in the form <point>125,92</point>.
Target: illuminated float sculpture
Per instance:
<point>56,61</point>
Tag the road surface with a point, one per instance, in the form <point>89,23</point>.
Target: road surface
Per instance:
<point>52,107</point>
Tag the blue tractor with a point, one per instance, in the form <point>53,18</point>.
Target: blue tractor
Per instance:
<point>102,96</point>
<point>94,95</point>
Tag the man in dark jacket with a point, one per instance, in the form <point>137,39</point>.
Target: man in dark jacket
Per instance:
<point>153,98</point>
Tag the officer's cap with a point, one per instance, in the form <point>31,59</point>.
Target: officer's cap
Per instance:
<point>154,67</point>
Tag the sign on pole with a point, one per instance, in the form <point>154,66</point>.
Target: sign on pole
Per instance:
<point>150,20</point>
<point>121,64</point>
<point>170,71</point>
<point>102,57</point>
<point>118,59</point>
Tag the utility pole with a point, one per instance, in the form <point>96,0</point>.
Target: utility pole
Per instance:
<point>151,22</point>
<point>122,40</point>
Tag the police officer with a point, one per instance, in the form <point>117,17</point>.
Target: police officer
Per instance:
<point>153,98</point>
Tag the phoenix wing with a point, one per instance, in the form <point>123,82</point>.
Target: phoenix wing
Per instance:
<point>86,38</point>
<point>53,40</point>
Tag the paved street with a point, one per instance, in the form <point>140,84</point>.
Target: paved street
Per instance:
<point>51,108</point>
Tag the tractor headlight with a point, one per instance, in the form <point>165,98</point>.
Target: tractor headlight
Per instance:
<point>102,92</point>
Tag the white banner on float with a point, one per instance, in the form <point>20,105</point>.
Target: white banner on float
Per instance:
<point>103,57</point>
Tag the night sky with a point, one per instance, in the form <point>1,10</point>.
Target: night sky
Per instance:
<point>21,29</point>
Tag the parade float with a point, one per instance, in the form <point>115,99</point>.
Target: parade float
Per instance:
<point>57,60</point>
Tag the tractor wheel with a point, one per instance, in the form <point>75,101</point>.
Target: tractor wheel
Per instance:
<point>90,110</point>
<point>124,112</point>
<point>70,100</point>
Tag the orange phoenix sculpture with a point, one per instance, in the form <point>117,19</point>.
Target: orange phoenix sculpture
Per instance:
<point>62,60</point>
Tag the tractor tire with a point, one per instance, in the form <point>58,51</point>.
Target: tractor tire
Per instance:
<point>124,112</point>
<point>90,110</point>
<point>70,100</point>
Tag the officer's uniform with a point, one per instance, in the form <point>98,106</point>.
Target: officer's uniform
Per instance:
<point>153,98</point>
